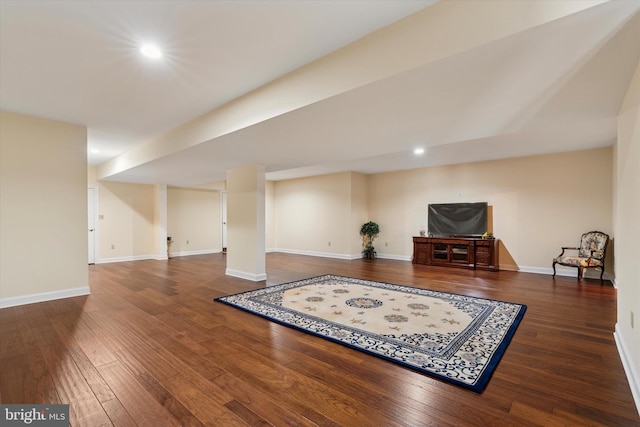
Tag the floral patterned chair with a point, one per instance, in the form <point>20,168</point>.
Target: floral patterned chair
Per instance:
<point>591,254</point>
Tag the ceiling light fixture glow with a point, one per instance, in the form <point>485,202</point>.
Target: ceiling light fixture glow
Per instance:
<point>151,51</point>
<point>418,151</point>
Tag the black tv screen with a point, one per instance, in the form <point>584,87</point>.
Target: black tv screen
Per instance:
<point>457,219</point>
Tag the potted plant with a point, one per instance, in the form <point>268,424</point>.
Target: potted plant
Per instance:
<point>369,231</point>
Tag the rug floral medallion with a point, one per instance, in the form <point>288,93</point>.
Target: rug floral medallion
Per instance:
<point>456,338</point>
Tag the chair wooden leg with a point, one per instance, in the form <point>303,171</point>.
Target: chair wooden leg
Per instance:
<point>601,275</point>
<point>580,273</point>
<point>554,269</point>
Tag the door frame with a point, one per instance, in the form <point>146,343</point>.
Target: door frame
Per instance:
<point>92,223</point>
<point>223,220</point>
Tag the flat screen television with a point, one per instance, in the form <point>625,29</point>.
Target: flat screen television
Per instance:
<point>457,219</point>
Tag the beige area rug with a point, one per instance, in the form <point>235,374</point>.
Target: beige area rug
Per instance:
<point>455,338</point>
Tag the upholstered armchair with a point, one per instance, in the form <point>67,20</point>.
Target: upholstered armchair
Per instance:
<point>590,254</point>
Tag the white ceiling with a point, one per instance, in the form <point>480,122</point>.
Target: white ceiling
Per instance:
<point>556,87</point>
<point>79,62</point>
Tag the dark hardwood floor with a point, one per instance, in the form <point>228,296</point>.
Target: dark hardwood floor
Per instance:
<point>150,347</point>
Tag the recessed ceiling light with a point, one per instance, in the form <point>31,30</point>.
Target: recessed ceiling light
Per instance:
<point>151,51</point>
<point>418,151</point>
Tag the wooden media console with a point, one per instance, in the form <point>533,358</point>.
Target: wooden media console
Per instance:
<point>461,252</point>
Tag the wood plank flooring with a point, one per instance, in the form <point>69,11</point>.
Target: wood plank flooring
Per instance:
<point>150,347</point>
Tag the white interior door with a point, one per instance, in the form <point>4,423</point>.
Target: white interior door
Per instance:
<point>223,208</point>
<point>92,224</point>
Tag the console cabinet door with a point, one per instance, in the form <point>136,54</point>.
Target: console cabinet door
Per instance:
<point>421,251</point>
<point>486,253</point>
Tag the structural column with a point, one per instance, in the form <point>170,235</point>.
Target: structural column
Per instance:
<point>246,223</point>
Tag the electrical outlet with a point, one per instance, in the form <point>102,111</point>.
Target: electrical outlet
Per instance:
<point>329,244</point>
<point>187,242</point>
<point>113,246</point>
<point>386,244</point>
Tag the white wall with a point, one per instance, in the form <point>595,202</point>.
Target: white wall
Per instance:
<point>43,210</point>
<point>627,227</point>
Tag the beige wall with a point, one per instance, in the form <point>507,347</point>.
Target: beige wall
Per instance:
<point>359,206</point>
<point>538,204</point>
<point>269,215</point>
<point>193,221</point>
<point>316,215</point>
<point>135,219</point>
<point>92,176</point>
<point>43,209</point>
<point>627,227</point>
<point>126,222</point>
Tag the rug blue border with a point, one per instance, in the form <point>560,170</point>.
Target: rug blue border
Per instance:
<point>478,387</point>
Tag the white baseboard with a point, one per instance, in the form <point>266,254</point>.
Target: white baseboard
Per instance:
<point>314,253</point>
<point>199,252</point>
<point>391,256</point>
<point>562,271</point>
<point>44,296</point>
<point>129,258</point>
<point>245,275</point>
<point>632,375</point>
<point>161,257</point>
<point>338,256</point>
